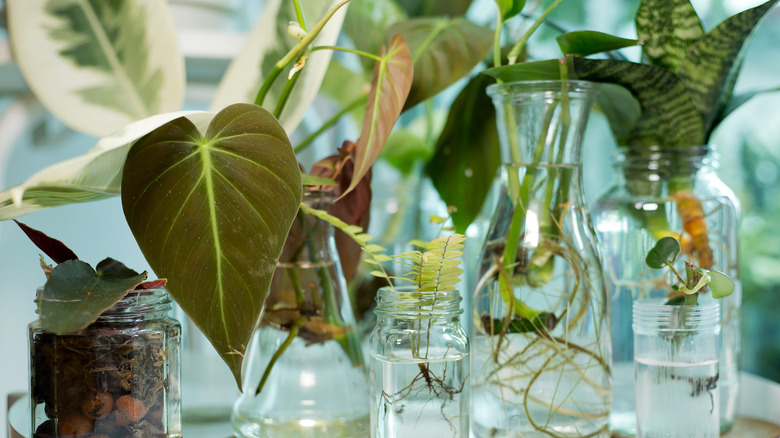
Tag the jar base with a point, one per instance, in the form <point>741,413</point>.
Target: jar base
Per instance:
<point>302,428</point>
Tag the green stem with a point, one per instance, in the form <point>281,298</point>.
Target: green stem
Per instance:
<point>299,14</point>
<point>517,48</point>
<point>497,41</point>
<point>278,353</point>
<point>288,87</point>
<point>344,49</point>
<point>691,300</point>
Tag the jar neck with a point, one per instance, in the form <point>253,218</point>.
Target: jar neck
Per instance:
<point>137,304</point>
<point>542,122</point>
<point>666,163</point>
<point>407,302</point>
<point>655,315</point>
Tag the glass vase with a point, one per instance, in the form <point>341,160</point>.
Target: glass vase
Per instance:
<point>119,377</point>
<point>419,365</point>
<point>676,367</point>
<point>667,191</point>
<point>540,334</point>
<point>305,375</point>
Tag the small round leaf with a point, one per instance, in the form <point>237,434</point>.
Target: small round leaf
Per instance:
<point>663,253</point>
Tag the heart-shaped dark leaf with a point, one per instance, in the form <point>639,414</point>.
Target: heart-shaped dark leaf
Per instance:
<point>667,28</point>
<point>443,50</point>
<point>211,213</point>
<point>588,42</point>
<point>53,248</point>
<point>467,154</point>
<point>664,253</point>
<point>75,294</point>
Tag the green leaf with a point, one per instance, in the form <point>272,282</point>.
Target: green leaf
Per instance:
<point>710,69</point>
<point>467,153</point>
<point>268,43</point>
<point>93,176</point>
<point>98,65</point>
<point>588,42</point>
<point>721,284</point>
<point>211,213</point>
<point>620,108</point>
<point>444,50</point>
<point>527,71</point>
<point>75,294</point>
<point>736,101</point>
<point>404,149</point>
<point>389,89</point>
<point>366,23</point>
<point>435,8</point>
<point>311,180</point>
<point>509,8</point>
<point>668,29</point>
<point>664,253</point>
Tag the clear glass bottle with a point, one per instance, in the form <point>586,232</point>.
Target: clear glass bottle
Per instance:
<point>540,335</point>
<point>676,366</point>
<point>667,191</point>
<point>419,365</point>
<point>305,376</point>
<point>119,377</point>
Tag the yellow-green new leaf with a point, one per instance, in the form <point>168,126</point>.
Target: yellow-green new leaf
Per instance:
<point>98,65</point>
<point>211,213</point>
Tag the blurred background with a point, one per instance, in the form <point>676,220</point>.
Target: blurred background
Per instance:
<point>211,33</point>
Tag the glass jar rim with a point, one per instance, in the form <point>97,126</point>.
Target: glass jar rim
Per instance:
<point>409,302</point>
<point>135,301</point>
<point>656,314</point>
<point>504,89</point>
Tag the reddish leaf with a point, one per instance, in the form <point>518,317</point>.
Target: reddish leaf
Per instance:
<point>53,248</point>
<point>391,84</point>
<point>153,284</point>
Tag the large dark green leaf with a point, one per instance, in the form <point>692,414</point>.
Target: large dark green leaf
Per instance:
<point>211,213</point>
<point>435,8</point>
<point>668,28</point>
<point>444,50</point>
<point>467,153</point>
<point>588,42</point>
<point>664,253</point>
<point>709,71</point>
<point>75,294</point>
<point>366,23</point>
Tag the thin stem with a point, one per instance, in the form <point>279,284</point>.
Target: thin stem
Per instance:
<point>345,49</point>
<point>288,87</point>
<point>517,48</point>
<point>497,41</point>
<point>299,14</point>
<point>332,121</point>
<point>278,353</point>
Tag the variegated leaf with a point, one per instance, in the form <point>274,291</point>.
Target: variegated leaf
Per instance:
<point>667,28</point>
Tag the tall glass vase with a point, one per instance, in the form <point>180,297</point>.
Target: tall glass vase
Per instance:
<point>305,375</point>
<point>667,191</point>
<point>540,333</point>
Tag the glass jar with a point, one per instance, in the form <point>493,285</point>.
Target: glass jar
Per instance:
<point>119,377</point>
<point>305,375</point>
<point>676,366</point>
<point>667,191</point>
<point>540,334</point>
<point>419,365</point>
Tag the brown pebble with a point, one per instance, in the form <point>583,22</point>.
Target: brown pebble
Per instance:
<point>99,406</point>
<point>74,424</point>
<point>129,410</point>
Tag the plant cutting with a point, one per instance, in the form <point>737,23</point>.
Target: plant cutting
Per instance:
<point>104,354</point>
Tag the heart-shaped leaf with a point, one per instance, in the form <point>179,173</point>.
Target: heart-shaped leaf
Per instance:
<point>720,284</point>
<point>664,253</point>
<point>52,247</point>
<point>75,294</point>
<point>113,61</point>
<point>391,84</point>
<point>211,213</point>
<point>467,154</point>
<point>443,50</point>
<point>588,42</point>
<point>509,8</point>
<point>668,29</point>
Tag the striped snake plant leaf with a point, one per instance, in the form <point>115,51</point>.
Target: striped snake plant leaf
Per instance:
<point>668,29</point>
<point>93,176</point>
<point>269,42</point>
<point>211,213</point>
<point>98,65</point>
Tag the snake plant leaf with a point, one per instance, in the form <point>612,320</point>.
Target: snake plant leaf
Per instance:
<point>720,284</point>
<point>588,42</point>
<point>98,65</point>
<point>55,249</point>
<point>93,176</point>
<point>268,43</point>
<point>710,69</point>
<point>664,253</point>
<point>526,71</point>
<point>211,214</point>
<point>75,294</point>
<point>443,50</point>
<point>467,154</point>
<point>668,29</point>
<point>737,101</point>
<point>390,86</point>
<point>510,8</point>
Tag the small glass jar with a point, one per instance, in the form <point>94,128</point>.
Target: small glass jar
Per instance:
<point>117,378</point>
<point>676,351</point>
<point>419,365</point>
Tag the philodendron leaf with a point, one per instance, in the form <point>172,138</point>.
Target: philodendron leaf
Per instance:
<point>467,154</point>
<point>667,28</point>
<point>709,70</point>
<point>268,43</point>
<point>720,284</point>
<point>389,88</point>
<point>588,42</point>
<point>509,8</point>
<point>55,249</point>
<point>211,213</point>
<point>664,253</point>
<point>443,51</point>
<point>98,65</point>
<point>75,294</point>
<point>93,176</point>
<point>434,8</point>
<point>366,23</point>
